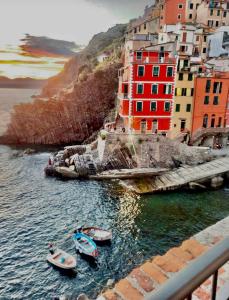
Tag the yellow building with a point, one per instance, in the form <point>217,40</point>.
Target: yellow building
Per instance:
<point>183,101</point>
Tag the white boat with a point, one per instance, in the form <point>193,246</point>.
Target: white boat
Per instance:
<point>62,259</point>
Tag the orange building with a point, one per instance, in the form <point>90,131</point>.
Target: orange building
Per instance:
<point>172,12</point>
<point>210,102</point>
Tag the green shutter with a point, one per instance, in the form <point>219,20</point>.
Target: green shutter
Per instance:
<point>177,107</point>
<point>140,88</point>
<point>154,89</point>
<point>153,106</point>
<point>139,106</point>
<point>188,108</point>
<point>167,106</point>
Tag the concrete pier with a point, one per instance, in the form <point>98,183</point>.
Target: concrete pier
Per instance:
<point>179,178</point>
<point>147,278</point>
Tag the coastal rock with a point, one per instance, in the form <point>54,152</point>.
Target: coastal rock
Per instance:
<point>29,151</point>
<point>217,182</point>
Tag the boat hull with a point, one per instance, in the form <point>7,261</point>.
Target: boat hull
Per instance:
<point>85,245</point>
<point>62,260</point>
<point>97,234</point>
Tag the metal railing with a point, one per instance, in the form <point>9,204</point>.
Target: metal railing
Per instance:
<point>185,282</point>
<point>207,132</point>
<point>152,60</point>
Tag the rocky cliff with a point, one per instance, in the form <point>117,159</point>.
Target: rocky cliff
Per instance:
<point>76,101</point>
<point>71,118</point>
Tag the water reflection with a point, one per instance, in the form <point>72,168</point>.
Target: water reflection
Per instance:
<point>35,210</point>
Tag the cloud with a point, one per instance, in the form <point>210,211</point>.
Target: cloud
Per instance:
<point>124,8</point>
<point>40,46</point>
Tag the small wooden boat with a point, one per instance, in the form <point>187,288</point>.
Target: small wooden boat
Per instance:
<point>62,259</point>
<point>85,245</point>
<point>97,234</point>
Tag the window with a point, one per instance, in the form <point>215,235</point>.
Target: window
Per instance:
<point>140,88</point>
<point>144,25</point>
<point>184,37</point>
<point>190,16</point>
<point>156,71</point>
<point>169,71</point>
<point>218,13</point>
<point>177,107</point>
<point>211,12</point>
<point>206,100</point>
<point>208,86</point>
<point>141,71</point>
<point>182,125</point>
<point>197,5</point>
<point>205,38</point>
<point>215,100</point>
<point>190,77</point>
<point>191,6</point>
<point>185,63</point>
<point>204,50</point>
<point>220,87</point>
<point>224,14</point>
<point>139,55</point>
<point>181,76</point>
<point>139,106</point>
<point>192,91</point>
<point>135,30</point>
<point>216,23</point>
<point>139,28</point>
<point>219,122</point>
<point>188,107</point>
<point>217,87</point>
<point>153,106</point>
<point>167,106</point>
<point>184,92</point>
<point>154,126</point>
<point>154,89</point>
<point>210,23</point>
<point>125,90</point>
<point>179,16</point>
<point>180,6</point>
<point>167,89</point>
<point>205,121</point>
<point>213,121</point>
<point>197,38</point>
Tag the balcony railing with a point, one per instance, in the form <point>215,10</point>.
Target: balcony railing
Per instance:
<point>184,283</point>
<point>123,95</point>
<point>153,60</point>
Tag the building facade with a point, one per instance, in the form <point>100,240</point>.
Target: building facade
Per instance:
<point>210,102</point>
<point>183,103</point>
<point>146,91</point>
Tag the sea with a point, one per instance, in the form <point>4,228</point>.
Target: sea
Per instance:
<point>36,210</point>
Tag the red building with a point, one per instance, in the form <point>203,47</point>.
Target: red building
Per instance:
<point>146,90</point>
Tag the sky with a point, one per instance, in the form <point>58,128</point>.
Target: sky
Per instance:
<point>68,20</point>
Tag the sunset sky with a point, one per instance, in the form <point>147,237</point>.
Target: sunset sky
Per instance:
<point>68,20</point>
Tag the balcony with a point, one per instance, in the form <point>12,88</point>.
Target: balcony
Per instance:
<point>124,96</point>
<point>185,282</point>
<point>153,60</point>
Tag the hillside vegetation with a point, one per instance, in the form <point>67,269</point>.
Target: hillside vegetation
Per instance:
<point>77,100</point>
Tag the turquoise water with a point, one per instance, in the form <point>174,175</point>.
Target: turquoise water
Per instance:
<point>34,210</point>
